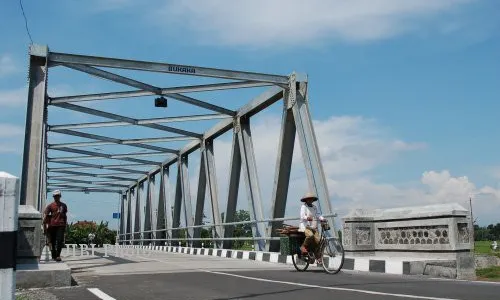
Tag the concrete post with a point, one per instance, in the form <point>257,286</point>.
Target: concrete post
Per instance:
<point>9,202</point>
<point>34,140</point>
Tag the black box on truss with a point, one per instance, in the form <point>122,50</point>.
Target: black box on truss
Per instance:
<point>161,102</point>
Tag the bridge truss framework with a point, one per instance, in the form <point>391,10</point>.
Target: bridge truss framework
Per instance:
<point>39,178</point>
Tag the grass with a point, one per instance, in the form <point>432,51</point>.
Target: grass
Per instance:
<point>491,273</point>
<point>245,247</point>
<point>483,247</point>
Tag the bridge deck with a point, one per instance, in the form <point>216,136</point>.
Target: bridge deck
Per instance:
<point>162,275</point>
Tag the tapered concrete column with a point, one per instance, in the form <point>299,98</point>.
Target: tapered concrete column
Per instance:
<point>36,121</point>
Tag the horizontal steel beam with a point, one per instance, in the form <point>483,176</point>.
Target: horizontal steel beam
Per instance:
<point>108,183</point>
<point>111,140</point>
<point>259,103</point>
<point>123,142</point>
<point>76,158</point>
<point>139,122</point>
<point>69,177</point>
<point>203,104</point>
<point>58,186</point>
<point>95,155</point>
<point>107,167</point>
<point>75,174</point>
<point>119,157</point>
<point>164,91</point>
<point>132,121</point>
<point>162,67</point>
<point>89,190</point>
<point>113,77</point>
<point>104,167</point>
<point>90,155</point>
<point>117,179</point>
<point>143,86</point>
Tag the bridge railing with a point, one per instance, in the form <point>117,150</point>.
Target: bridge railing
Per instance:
<point>187,240</point>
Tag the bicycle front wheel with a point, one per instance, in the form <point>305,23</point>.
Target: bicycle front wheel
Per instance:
<point>333,256</point>
<point>300,264</point>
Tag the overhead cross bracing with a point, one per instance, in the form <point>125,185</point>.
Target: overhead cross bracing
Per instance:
<point>79,138</point>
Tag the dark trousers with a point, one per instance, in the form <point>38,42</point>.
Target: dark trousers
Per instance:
<point>56,237</point>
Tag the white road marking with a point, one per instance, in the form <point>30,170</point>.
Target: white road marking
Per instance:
<point>289,261</point>
<point>100,294</point>
<point>334,288</point>
<point>330,288</point>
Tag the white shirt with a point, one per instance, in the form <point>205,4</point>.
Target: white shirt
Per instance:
<point>305,212</point>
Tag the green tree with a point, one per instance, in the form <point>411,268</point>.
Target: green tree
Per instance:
<point>242,230</point>
<point>207,234</point>
<point>77,233</point>
<point>487,233</point>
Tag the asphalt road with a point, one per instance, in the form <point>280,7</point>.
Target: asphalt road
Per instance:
<point>179,276</point>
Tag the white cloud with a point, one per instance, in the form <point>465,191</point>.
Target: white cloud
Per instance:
<point>494,172</point>
<point>293,22</point>
<point>60,90</point>
<point>354,145</point>
<point>13,98</point>
<point>7,65</point>
<point>351,149</point>
<point>16,98</point>
<point>434,187</point>
<point>11,138</point>
<point>9,148</point>
<point>348,172</point>
<point>9,130</point>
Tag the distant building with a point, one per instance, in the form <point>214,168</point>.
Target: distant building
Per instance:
<point>85,224</point>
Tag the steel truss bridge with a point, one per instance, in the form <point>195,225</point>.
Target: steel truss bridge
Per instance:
<point>131,180</point>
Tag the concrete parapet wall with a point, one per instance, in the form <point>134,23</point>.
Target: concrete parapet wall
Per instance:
<point>440,232</point>
<point>486,261</point>
<point>446,229</point>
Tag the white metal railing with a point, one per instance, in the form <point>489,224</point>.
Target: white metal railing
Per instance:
<point>188,239</point>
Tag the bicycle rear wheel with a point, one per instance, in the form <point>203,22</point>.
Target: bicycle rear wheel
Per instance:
<point>300,264</point>
<point>333,256</point>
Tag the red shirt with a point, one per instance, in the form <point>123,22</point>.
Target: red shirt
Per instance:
<point>55,214</point>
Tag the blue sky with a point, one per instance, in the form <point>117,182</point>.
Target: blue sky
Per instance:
<point>404,94</point>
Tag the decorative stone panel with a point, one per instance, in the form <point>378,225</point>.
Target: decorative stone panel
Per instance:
<point>363,235</point>
<point>463,233</point>
<point>415,235</point>
<point>346,235</point>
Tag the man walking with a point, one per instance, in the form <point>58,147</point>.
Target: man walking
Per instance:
<point>54,224</point>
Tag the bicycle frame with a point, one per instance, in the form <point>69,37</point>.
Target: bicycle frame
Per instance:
<point>321,244</point>
<point>310,257</point>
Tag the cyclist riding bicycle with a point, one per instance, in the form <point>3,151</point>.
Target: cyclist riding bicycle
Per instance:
<point>308,224</point>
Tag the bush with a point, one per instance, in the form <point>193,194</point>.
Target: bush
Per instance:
<point>77,233</point>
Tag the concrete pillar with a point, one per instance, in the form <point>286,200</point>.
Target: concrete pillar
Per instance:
<point>9,202</point>
<point>34,140</point>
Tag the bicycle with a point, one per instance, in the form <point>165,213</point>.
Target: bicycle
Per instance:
<point>330,248</point>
